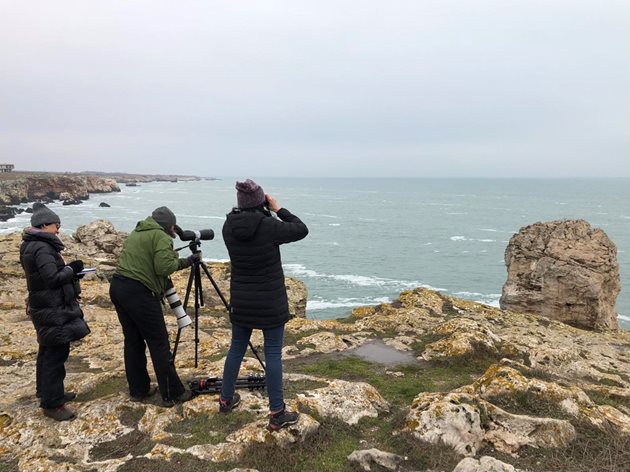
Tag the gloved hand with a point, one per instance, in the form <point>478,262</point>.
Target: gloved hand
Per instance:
<point>76,266</point>
<point>194,257</point>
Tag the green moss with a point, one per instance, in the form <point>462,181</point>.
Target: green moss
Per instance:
<point>593,449</point>
<point>610,400</point>
<point>326,449</point>
<point>183,462</point>
<point>205,429</point>
<point>293,387</point>
<point>9,466</point>
<point>130,416</point>
<point>110,386</point>
<point>134,443</point>
<point>422,342</point>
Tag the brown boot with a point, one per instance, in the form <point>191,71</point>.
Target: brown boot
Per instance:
<point>60,413</point>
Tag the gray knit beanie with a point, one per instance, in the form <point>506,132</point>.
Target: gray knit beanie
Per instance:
<point>164,217</point>
<point>42,215</point>
<point>249,194</point>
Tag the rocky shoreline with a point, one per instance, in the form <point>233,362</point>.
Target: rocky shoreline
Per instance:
<point>24,187</point>
<point>484,389</point>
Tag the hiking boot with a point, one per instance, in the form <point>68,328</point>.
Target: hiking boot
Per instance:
<point>184,397</point>
<point>67,397</point>
<point>60,413</point>
<point>139,398</point>
<point>226,406</point>
<point>282,419</point>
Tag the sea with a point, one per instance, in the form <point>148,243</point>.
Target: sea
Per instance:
<point>372,238</point>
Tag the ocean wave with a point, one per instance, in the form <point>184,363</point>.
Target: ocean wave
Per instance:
<point>334,224</point>
<point>321,304</point>
<point>464,238</point>
<point>298,270</point>
<point>623,317</point>
<point>321,215</point>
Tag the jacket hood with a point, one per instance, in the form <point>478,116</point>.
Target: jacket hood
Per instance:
<point>36,234</point>
<point>244,224</point>
<point>148,224</point>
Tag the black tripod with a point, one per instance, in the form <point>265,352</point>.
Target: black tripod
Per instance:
<point>194,283</point>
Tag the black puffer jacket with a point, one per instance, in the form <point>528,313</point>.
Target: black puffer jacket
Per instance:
<point>52,290</point>
<point>257,290</point>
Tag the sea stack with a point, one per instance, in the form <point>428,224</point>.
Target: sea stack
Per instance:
<point>565,270</point>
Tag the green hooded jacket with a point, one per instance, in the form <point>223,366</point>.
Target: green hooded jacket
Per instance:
<point>148,256</point>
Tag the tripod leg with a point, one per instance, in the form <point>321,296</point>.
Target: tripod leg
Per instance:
<point>198,303</point>
<point>179,332</point>
<point>216,287</point>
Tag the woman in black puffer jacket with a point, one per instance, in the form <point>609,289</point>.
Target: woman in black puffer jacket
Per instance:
<point>258,295</point>
<point>53,290</point>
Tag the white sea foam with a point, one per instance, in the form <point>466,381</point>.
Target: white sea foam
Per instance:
<point>298,270</point>
<point>320,304</point>
<point>321,215</point>
<point>464,238</point>
<point>334,224</point>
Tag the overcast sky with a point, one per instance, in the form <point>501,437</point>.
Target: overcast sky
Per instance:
<point>534,88</point>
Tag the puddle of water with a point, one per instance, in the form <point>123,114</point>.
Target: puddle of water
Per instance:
<point>378,351</point>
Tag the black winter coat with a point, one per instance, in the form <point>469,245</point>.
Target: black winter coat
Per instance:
<point>52,290</point>
<point>258,295</point>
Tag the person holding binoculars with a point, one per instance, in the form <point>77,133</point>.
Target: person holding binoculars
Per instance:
<point>137,290</point>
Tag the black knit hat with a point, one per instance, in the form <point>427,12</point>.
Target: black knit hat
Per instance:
<point>164,217</point>
<point>249,194</point>
<point>42,215</point>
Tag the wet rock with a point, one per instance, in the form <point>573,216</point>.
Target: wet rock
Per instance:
<point>6,213</point>
<point>104,205</point>
<point>565,270</point>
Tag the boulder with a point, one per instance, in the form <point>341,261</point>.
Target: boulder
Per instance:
<point>565,270</point>
<point>484,464</point>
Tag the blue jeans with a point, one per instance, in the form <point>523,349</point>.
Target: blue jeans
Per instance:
<point>274,338</point>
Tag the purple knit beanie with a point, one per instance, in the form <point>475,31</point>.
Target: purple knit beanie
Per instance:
<point>249,194</point>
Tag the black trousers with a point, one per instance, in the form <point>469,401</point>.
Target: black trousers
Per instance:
<point>140,315</point>
<point>50,373</point>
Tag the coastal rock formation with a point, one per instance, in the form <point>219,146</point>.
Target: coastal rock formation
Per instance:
<point>521,387</point>
<point>565,270</point>
<point>21,188</point>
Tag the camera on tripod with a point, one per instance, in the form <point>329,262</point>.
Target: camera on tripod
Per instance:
<point>194,287</point>
<point>194,235</point>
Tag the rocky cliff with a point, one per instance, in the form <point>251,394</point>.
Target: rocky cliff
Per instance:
<point>22,188</point>
<point>427,383</point>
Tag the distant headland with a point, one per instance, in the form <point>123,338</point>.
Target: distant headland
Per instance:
<point>18,187</point>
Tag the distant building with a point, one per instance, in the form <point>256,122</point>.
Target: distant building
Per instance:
<point>6,167</point>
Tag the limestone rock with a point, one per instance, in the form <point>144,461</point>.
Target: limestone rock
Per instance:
<point>565,270</point>
<point>484,464</point>
<point>368,457</point>
<point>347,401</point>
<point>456,420</point>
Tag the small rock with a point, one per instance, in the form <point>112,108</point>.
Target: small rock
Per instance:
<point>104,205</point>
<point>368,457</point>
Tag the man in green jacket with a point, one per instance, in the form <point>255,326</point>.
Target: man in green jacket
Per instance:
<point>137,290</point>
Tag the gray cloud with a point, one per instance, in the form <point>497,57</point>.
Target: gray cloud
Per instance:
<point>444,88</point>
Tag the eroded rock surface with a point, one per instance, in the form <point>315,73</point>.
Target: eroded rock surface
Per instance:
<point>565,270</point>
<point>530,362</point>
